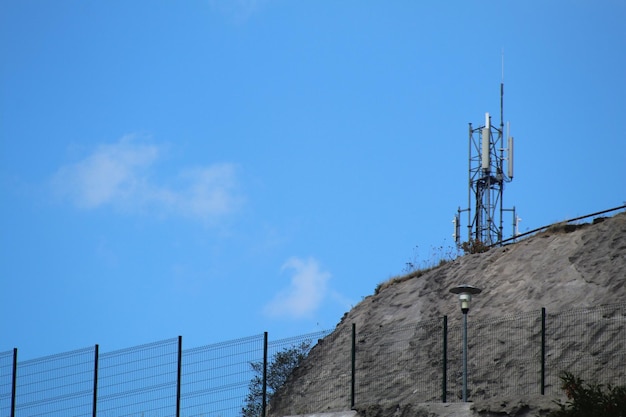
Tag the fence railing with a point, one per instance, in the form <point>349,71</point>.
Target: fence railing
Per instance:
<point>511,356</point>
<point>514,356</point>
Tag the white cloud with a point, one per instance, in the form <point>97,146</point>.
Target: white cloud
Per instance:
<point>122,175</point>
<point>208,191</point>
<point>110,175</point>
<point>307,290</point>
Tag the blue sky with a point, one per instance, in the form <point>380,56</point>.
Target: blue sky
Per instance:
<point>216,169</point>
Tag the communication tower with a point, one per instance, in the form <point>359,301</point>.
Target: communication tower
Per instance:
<point>488,150</point>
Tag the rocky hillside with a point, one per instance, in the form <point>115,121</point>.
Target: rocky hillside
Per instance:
<point>565,269</point>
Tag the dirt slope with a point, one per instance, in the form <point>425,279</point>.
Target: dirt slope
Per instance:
<point>560,269</point>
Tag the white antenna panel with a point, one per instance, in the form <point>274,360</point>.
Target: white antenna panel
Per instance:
<point>485,148</point>
<point>510,154</point>
<point>486,143</point>
<point>457,229</point>
<point>454,235</point>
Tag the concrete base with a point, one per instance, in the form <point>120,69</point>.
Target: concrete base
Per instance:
<point>446,409</point>
<point>424,409</point>
<point>536,406</point>
<point>349,413</point>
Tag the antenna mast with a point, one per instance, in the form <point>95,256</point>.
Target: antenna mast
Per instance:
<point>486,179</point>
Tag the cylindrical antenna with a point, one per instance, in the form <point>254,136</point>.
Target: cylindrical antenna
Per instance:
<point>486,141</point>
<point>509,151</point>
<point>510,155</point>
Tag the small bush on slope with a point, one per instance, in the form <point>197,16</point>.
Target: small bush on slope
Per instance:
<point>279,369</point>
<point>590,400</point>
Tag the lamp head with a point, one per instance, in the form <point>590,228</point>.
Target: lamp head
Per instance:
<point>465,293</point>
<point>465,299</point>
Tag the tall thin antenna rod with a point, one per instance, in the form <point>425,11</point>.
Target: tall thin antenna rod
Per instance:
<point>501,107</point>
<point>502,79</point>
<point>502,94</point>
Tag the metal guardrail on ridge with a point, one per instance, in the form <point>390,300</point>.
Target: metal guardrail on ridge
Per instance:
<point>539,229</point>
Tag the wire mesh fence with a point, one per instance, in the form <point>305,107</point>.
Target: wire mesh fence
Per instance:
<point>505,357</point>
<point>516,356</point>
<point>138,381</point>
<point>56,385</point>
<point>337,384</point>
<point>402,361</point>
<point>215,378</point>
<point>6,382</point>
<point>512,356</point>
<point>587,342</point>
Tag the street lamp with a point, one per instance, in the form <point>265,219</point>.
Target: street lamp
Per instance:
<point>465,293</point>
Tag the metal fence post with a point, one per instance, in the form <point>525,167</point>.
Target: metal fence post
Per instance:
<point>444,381</point>
<point>264,401</point>
<point>94,409</point>
<point>543,350</point>
<point>179,374</point>
<point>14,382</point>
<point>353,367</point>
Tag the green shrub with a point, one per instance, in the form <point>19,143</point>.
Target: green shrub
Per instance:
<point>279,368</point>
<point>590,400</point>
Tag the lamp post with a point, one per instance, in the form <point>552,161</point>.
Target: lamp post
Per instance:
<point>465,293</point>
